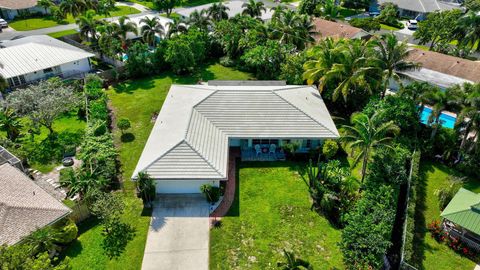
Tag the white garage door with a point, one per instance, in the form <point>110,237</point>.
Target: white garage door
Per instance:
<point>182,186</point>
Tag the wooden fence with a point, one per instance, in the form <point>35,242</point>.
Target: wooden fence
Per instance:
<point>80,212</point>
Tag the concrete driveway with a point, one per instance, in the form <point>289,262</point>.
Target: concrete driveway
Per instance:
<point>179,234</point>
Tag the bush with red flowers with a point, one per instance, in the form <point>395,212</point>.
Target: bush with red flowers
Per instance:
<point>437,231</point>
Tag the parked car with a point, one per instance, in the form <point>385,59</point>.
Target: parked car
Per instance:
<point>412,24</point>
<point>3,23</point>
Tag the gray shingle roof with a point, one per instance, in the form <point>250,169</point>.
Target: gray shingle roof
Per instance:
<point>24,206</point>
<point>190,137</point>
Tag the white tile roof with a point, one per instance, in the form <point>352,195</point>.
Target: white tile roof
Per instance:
<point>190,137</point>
<point>26,55</point>
<point>24,206</point>
<point>423,6</point>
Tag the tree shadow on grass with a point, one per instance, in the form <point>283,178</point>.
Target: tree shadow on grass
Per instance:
<point>127,137</point>
<point>75,248</point>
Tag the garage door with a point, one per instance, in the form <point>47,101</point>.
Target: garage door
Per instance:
<point>182,186</point>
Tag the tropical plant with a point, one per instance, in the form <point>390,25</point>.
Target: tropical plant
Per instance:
<point>388,15</point>
<point>308,6</point>
<point>392,58</point>
<point>145,187</point>
<point>288,27</point>
<point>125,26</point>
<point>108,40</point>
<point>469,25</point>
<point>199,20</point>
<point>42,240</point>
<point>469,116</point>
<point>150,29</point>
<point>167,5</point>
<point>367,134</point>
<point>265,60</point>
<point>81,181</point>
<point>45,4</point>
<point>10,122</point>
<point>74,7</point>
<point>440,99</point>
<point>253,8</point>
<point>292,262</point>
<point>175,27</point>
<point>330,149</point>
<point>88,26</point>
<point>438,27</point>
<point>218,12</point>
<point>328,10</point>
<point>367,24</point>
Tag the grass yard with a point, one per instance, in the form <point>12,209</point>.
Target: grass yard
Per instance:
<point>47,21</point>
<point>63,33</point>
<point>271,212</point>
<point>430,254</point>
<point>388,27</point>
<point>137,100</point>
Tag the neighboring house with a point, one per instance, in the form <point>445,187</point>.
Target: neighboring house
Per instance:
<point>137,20</point>
<point>24,206</point>
<point>336,30</point>
<point>7,157</point>
<point>9,9</point>
<point>190,142</point>
<point>461,218</point>
<point>439,69</point>
<point>29,59</point>
<point>419,8</point>
<point>234,8</point>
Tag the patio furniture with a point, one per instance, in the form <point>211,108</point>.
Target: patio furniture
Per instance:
<point>273,148</point>
<point>258,149</point>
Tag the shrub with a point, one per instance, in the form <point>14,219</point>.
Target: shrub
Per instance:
<point>212,194</point>
<point>445,194</point>
<point>367,24</point>
<point>330,149</point>
<point>436,230</point>
<point>139,62</point>
<point>389,15</point>
<point>123,124</point>
<point>67,232</point>
<point>98,110</point>
<point>292,68</point>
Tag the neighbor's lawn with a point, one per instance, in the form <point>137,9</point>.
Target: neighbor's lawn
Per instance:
<point>270,213</point>
<point>430,254</point>
<point>47,21</point>
<point>63,33</point>
<point>388,27</point>
<point>136,100</point>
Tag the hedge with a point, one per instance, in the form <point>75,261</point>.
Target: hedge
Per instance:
<point>411,208</point>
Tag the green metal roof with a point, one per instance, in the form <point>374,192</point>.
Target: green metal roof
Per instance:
<point>464,210</point>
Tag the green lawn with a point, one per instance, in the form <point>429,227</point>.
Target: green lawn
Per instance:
<point>47,21</point>
<point>428,253</point>
<point>388,27</point>
<point>270,213</point>
<point>188,3</point>
<point>347,12</point>
<point>136,100</point>
<point>63,33</point>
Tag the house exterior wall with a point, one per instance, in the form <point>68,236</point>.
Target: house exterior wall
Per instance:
<point>305,144</point>
<point>81,66</point>
<point>182,186</point>
<point>10,14</point>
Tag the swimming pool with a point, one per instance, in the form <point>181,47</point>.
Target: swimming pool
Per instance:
<point>446,120</point>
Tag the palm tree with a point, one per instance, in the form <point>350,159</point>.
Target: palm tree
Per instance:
<point>218,12</point>
<point>88,26</point>
<point>253,8</point>
<point>176,27</point>
<point>392,57</point>
<point>293,263</point>
<point>145,187</point>
<point>108,40</point>
<point>81,182</point>
<point>440,99</point>
<point>469,116</point>
<point>74,7</point>
<point>45,4</point>
<point>150,28</point>
<point>199,20</point>
<point>10,122</point>
<point>366,134</point>
<point>125,26</point>
<point>329,10</point>
<point>469,26</point>
<point>42,240</point>
<point>288,27</point>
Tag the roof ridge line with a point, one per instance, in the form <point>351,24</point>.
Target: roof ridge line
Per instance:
<point>161,156</point>
<point>199,154</point>
<point>303,112</point>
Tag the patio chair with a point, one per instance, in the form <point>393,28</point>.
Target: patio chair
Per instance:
<point>272,149</point>
<point>258,149</point>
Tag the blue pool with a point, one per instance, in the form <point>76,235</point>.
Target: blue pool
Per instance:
<point>446,120</point>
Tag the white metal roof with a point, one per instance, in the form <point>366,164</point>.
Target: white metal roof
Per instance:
<point>434,77</point>
<point>30,54</point>
<point>190,136</point>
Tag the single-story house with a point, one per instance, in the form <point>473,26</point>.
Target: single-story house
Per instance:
<point>234,8</point>
<point>29,59</point>
<point>461,217</point>
<point>9,9</point>
<point>439,69</point>
<point>326,28</point>
<point>419,8</point>
<point>24,206</point>
<point>198,124</point>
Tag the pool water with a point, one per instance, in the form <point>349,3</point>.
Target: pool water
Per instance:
<point>446,120</point>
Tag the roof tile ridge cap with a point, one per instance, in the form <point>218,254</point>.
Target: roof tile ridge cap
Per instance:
<point>315,120</point>
<point>42,208</point>
<point>200,155</point>
<point>195,106</point>
<point>161,156</point>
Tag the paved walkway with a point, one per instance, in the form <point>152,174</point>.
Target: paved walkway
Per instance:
<point>178,236</point>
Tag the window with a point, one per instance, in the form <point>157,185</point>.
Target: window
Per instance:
<point>309,144</point>
<point>47,70</point>
<point>265,141</point>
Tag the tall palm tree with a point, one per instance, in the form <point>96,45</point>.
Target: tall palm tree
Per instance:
<point>199,20</point>
<point>469,116</point>
<point>253,8</point>
<point>289,27</point>
<point>42,240</point>
<point>175,27</point>
<point>10,122</point>
<point>329,10</point>
<point>88,26</point>
<point>74,7</point>
<point>150,28</point>
<point>45,4</point>
<point>469,26</point>
<point>392,57</point>
<point>440,100</point>
<point>293,263</point>
<point>125,26</point>
<point>366,134</point>
<point>218,12</point>
<point>108,40</point>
